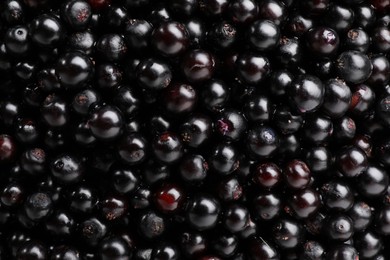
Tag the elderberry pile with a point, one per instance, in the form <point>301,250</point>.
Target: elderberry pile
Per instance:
<point>194,129</point>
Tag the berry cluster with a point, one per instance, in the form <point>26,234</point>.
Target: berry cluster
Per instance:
<point>194,129</point>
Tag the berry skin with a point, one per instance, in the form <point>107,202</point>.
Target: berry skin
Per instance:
<point>305,203</point>
<point>46,30</point>
<point>262,141</point>
<point>133,149</point>
<point>179,98</point>
<point>167,147</point>
<point>74,69</point>
<point>352,162</point>
<point>337,98</point>
<point>7,148</point>
<point>67,168</point>
<point>111,47</point>
<point>267,175</point>
<point>252,68</point>
<point>38,206</point>
<point>17,41</point>
<point>287,233</point>
<point>170,39</point>
<point>354,67</point>
<point>224,159</point>
<point>169,198</point>
<point>297,174</point>
<point>151,225</point>
<point>193,168</point>
<point>264,35</point>
<point>306,93</point>
<point>106,123</point>
<point>154,74</point>
<point>323,41</point>
<point>203,212</point>
<point>198,65</point>
<point>337,195</point>
<point>77,14</point>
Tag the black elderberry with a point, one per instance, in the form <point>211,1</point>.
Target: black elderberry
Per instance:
<point>306,93</point>
<point>77,14</point>
<point>111,47</point>
<point>74,69</point>
<point>354,67</point>
<point>203,211</point>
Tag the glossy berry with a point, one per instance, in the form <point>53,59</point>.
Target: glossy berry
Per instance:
<point>267,175</point>
<point>262,141</point>
<point>33,161</point>
<point>339,17</point>
<point>287,233</point>
<point>17,41</point>
<point>223,158</point>
<point>231,125</point>
<point>267,206</point>
<point>154,74</point>
<point>7,148</point>
<point>339,227</point>
<point>337,98</point>
<point>74,69</point>
<point>236,218</point>
<point>352,162</point>
<point>82,199</point>
<point>167,147</point>
<point>297,174</point>
<point>169,198</point>
<point>198,65</point>
<point>38,206</point>
<point>193,168</point>
<point>106,123</point>
<point>313,250</point>
<point>138,33</point>
<point>192,243</point>
<point>357,40</point>
<point>306,93</point>
<point>305,203</point>
<point>264,35</point>
<point>124,180</point>
<point>165,251</point>
<point>151,225</point>
<point>373,181</point>
<point>32,250</point>
<point>354,67</point>
<point>170,39</point>
<point>368,244</point>
<point>322,41</point>
<point>252,68</point>
<point>84,100</point>
<point>92,231</point>
<point>133,149</point>
<point>67,252</point>
<point>77,14</point>
<point>342,252</point>
<point>243,11</point>
<point>337,195</point>
<point>46,30</point>
<point>61,223</point>
<point>361,215</point>
<point>12,195</point>
<point>111,47</point>
<point>113,208</point>
<point>258,248</point>
<point>67,168</point>
<point>203,212</point>
<point>179,98</point>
